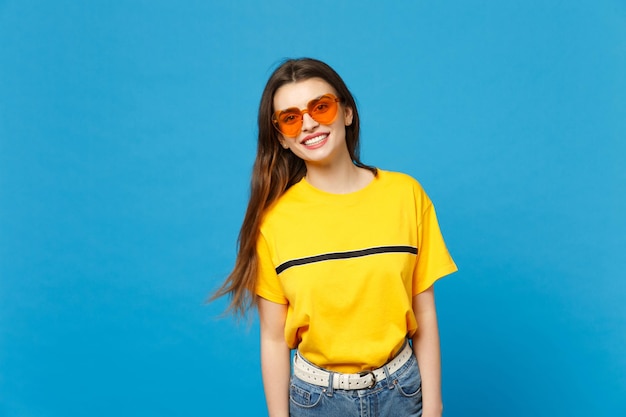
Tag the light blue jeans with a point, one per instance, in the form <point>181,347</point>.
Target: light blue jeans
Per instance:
<point>398,395</point>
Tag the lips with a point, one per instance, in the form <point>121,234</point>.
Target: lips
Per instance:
<point>313,140</point>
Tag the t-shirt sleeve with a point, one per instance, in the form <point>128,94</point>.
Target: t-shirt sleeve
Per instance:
<point>433,259</point>
<point>268,284</point>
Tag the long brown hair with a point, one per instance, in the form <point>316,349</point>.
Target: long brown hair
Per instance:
<point>275,170</point>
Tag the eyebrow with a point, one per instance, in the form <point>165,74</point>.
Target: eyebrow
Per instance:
<point>307,103</point>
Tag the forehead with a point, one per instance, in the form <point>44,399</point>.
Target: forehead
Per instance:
<point>298,94</point>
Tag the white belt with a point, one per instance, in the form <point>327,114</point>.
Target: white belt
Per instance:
<point>367,379</point>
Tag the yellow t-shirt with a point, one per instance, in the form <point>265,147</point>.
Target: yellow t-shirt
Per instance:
<point>348,266</point>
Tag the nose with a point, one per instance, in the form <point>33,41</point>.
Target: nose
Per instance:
<point>308,123</point>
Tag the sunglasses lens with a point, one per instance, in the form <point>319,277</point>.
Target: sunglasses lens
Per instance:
<point>289,122</point>
<point>323,110</point>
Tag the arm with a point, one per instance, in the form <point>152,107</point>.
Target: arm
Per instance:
<point>275,356</point>
<point>427,352</point>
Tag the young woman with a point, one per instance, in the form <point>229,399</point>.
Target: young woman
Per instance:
<point>340,259</point>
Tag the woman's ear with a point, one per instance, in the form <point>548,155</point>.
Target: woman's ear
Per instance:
<point>348,116</point>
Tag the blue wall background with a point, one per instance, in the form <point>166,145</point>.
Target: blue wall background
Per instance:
<point>127,134</point>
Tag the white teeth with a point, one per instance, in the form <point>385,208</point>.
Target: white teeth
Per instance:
<point>315,140</point>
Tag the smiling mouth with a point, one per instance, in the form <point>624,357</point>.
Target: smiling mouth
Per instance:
<point>315,140</point>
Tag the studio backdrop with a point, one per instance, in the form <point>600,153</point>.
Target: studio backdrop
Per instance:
<point>127,136</point>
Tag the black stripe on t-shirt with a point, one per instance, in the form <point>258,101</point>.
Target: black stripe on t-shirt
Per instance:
<point>345,255</point>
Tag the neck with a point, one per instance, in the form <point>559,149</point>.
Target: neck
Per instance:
<point>338,178</point>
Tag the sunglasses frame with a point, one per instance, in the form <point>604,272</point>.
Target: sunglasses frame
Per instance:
<point>309,106</point>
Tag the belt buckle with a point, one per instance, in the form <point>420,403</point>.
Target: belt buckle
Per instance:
<point>365,373</point>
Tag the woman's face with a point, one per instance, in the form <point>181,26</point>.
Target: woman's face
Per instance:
<point>316,144</point>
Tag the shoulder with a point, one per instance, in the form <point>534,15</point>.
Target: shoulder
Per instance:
<point>287,203</point>
<point>399,179</point>
<point>396,176</point>
<point>404,186</point>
